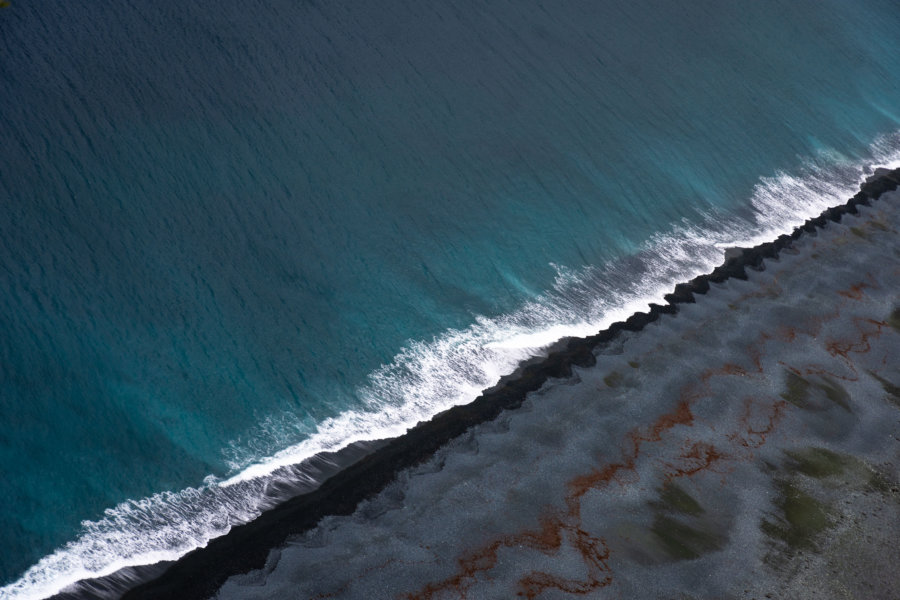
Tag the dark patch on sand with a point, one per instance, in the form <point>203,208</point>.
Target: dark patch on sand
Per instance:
<point>797,522</point>
<point>890,389</point>
<point>614,379</point>
<point>801,392</point>
<point>799,519</point>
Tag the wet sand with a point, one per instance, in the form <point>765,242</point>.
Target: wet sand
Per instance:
<point>740,441</point>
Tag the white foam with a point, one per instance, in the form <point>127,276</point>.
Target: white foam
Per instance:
<point>542,338</point>
<point>426,378</point>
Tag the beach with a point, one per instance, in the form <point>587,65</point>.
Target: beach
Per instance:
<point>739,442</point>
<point>266,265</point>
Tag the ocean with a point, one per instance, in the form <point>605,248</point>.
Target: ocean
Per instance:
<point>235,235</point>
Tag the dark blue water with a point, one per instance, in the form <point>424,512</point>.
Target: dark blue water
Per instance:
<point>237,233</point>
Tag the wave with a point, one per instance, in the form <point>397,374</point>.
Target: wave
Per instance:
<point>428,377</point>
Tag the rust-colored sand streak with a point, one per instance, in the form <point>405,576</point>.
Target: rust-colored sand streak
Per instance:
<point>699,456</point>
<point>843,348</point>
<point>596,554</point>
<point>814,327</point>
<point>855,292</point>
<point>770,289</point>
<point>593,550</point>
<point>783,334</point>
<point>696,458</point>
<point>634,440</point>
<point>747,435</point>
<point>548,539</point>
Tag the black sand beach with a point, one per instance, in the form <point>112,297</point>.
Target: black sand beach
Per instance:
<point>746,445</point>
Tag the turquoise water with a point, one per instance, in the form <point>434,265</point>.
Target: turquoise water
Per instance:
<point>236,234</point>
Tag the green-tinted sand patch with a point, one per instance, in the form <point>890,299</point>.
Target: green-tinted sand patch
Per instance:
<point>881,484</point>
<point>818,462</point>
<point>675,499</point>
<point>894,318</point>
<point>802,518</point>
<point>892,390</point>
<point>678,527</point>
<point>843,469</point>
<point>836,393</point>
<point>866,230</point>
<point>614,379</point>
<point>683,542</point>
<point>797,392</point>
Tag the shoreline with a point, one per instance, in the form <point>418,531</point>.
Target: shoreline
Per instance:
<point>200,573</point>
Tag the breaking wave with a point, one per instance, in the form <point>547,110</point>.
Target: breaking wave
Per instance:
<point>427,377</point>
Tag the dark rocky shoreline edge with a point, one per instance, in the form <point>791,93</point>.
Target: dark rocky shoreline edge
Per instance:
<point>200,573</point>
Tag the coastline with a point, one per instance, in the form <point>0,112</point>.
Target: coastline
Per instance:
<point>201,572</point>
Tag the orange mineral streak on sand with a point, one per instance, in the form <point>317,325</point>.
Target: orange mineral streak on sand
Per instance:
<point>758,420</point>
<point>595,554</point>
<point>855,292</point>
<point>698,456</point>
<point>867,328</point>
<point>554,529</point>
<point>750,435</point>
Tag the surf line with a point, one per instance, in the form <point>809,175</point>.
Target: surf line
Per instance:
<point>201,572</point>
